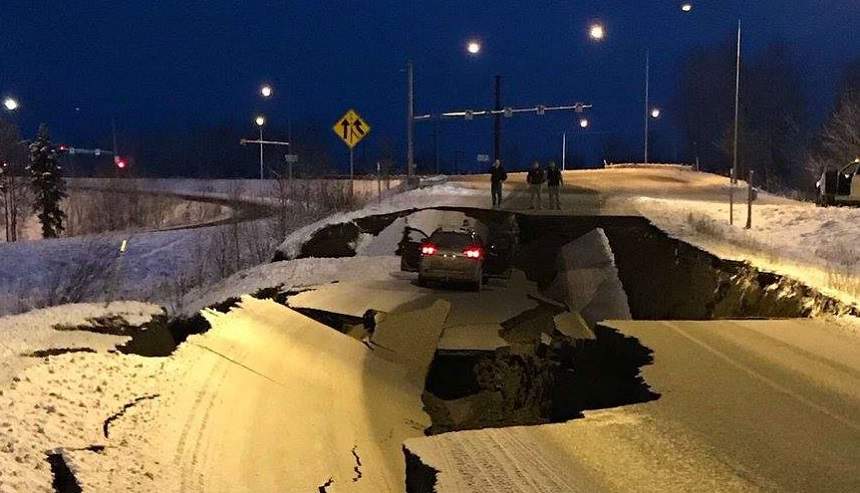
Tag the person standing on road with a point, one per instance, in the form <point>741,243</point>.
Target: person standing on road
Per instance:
<point>554,182</point>
<point>497,176</point>
<point>535,180</point>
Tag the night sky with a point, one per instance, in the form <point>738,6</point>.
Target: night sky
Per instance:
<point>161,65</point>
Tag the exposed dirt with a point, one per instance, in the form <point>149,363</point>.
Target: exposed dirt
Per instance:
<point>420,478</point>
<point>667,279</point>
<point>43,353</point>
<point>528,385</point>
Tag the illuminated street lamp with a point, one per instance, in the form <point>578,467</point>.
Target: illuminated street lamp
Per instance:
<point>655,112</point>
<point>260,121</point>
<point>266,90</point>
<point>473,47</point>
<point>11,104</point>
<point>597,32</point>
<point>686,7</point>
<point>583,123</point>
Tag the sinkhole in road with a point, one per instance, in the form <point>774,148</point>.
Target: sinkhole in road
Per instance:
<point>532,382</point>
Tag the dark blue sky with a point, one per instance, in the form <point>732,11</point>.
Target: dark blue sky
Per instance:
<point>174,64</point>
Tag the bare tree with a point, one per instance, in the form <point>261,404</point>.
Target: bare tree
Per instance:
<point>839,141</point>
<point>13,186</point>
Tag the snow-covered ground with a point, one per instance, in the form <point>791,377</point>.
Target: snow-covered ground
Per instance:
<point>53,399</point>
<point>64,401</point>
<point>259,191</point>
<point>156,266</point>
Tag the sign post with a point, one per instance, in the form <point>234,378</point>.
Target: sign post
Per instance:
<point>352,129</point>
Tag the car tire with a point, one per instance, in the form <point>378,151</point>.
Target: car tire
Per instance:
<point>477,285</point>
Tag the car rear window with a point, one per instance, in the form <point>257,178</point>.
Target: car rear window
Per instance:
<point>451,239</point>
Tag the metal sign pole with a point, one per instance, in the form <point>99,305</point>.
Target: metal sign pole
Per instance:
<point>378,182</point>
<point>351,176</point>
<point>750,194</point>
<point>732,198</point>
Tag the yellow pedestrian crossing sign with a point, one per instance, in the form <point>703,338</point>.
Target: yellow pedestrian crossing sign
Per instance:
<point>351,128</point>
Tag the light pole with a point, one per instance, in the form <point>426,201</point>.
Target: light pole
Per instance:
<point>260,121</point>
<point>687,7</point>
<point>737,106</point>
<point>11,104</point>
<point>647,96</point>
<point>410,124</point>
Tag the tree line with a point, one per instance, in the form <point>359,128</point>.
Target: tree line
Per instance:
<point>30,181</point>
<point>776,136</point>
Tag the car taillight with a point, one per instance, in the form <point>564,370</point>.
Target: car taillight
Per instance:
<point>428,249</point>
<point>473,252</point>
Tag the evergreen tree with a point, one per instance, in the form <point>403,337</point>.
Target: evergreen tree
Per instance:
<point>47,183</point>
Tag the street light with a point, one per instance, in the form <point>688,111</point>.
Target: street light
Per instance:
<point>687,7</point>
<point>11,104</point>
<point>473,47</point>
<point>655,112</point>
<point>596,32</point>
<point>583,123</point>
<point>266,90</point>
<point>260,121</point>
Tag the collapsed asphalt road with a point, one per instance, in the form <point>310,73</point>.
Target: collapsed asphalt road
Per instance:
<point>268,399</point>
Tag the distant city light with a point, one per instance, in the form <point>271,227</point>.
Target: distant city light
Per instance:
<point>260,120</point>
<point>655,113</point>
<point>474,47</point>
<point>10,104</point>
<point>583,123</point>
<point>266,91</point>
<point>687,7</point>
<point>597,32</point>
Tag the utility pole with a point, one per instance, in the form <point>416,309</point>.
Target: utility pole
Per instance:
<point>737,105</point>
<point>497,121</point>
<point>564,151</point>
<point>436,143</point>
<point>647,95</point>
<point>410,125</point>
<point>261,152</point>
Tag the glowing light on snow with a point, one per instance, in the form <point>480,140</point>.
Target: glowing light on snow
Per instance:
<point>260,120</point>
<point>10,104</point>
<point>687,7</point>
<point>474,47</point>
<point>597,32</point>
<point>266,91</point>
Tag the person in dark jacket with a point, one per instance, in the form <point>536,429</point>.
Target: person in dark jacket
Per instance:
<point>497,176</point>
<point>554,182</point>
<point>535,180</point>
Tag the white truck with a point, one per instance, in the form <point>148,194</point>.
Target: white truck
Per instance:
<point>840,187</point>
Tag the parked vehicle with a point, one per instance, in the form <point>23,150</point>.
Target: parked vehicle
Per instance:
<point>453,256</point>
<point>840,187</point>
<point>491,257</point>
